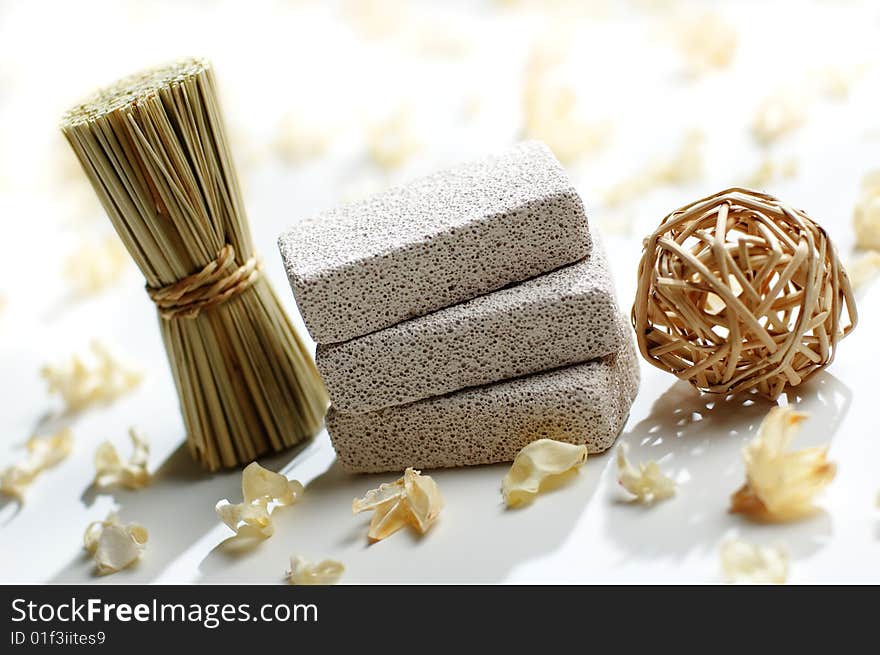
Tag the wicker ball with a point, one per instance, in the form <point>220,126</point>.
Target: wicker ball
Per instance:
<point>740,292</point>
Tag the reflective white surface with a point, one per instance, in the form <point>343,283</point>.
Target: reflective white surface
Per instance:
<point>295,55</point>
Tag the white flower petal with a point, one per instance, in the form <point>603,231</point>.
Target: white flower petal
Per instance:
<point>114,545</point>
<point>744,562</point>
<point>535,464</point>
<point>647,482</point>
<point>303,572</point>
<point>111,470</point>
<point>260,487</point>
<point>42,453</point>
<point>82,383</point>
<point>95,265</point>
<point>413,500</point>
<point>781,484</point>
<point>866,215</point>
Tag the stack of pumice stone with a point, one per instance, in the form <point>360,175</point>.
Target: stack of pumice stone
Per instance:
<point>462,316</point>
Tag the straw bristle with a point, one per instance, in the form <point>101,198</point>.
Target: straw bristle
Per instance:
<point>154,148</point>
<point>132,89</point>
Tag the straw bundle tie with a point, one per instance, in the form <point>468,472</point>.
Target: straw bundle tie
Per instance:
<point>212,285</point>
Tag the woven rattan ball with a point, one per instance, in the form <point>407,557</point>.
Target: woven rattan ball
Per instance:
<point>740,292</point>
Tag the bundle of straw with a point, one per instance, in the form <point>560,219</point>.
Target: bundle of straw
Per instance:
<point>154,148</point>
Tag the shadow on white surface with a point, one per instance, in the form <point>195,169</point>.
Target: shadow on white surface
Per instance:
<point>697,438</point>
<point>475,540</point>
<point>6,501</point>
<point>54,421</point>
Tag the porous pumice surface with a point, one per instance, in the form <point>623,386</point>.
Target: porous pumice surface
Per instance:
<point>583,404</point>
<point>434,242</point>
<point>564,317</point>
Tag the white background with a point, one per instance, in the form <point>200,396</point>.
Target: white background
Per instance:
<point>318,62</point>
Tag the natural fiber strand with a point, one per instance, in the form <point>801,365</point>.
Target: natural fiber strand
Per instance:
<point>154,148</point>
<point>738,292</point>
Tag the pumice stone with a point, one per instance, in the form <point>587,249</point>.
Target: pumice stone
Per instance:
<point>582,404</point>
<point>557,319</point>
<point>435,242</point>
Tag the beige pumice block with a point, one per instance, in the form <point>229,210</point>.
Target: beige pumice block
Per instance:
<point>437,241</point>
<point>583,404</point>
<point>560,318</point>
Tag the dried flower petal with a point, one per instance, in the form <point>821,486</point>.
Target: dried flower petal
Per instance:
<point>780,484</point>
<point>379,496</point>
<point>82,384</point>
<point>550,109</point>
<point>301,137</point>
<point>744,562</point>
<point>866,216</point>
<point>535,464</point>
<point>413,500</point>
<point>259,488</point>
<point>864,268</point>
<point>258,483</point>
<point>114,545</point>
<point>303,572</point>
<point>836,82</point>
<point>777,116</point>
<point>254,514</point>
<point>707,42</point>
<point>770,170</point>
<point>111,470</point>
<point>95,265</point>
<point>684,166</point>
<point>42,453</point>
<point>388,518</point>
<point>647,482</point>
<point>393,141</point>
